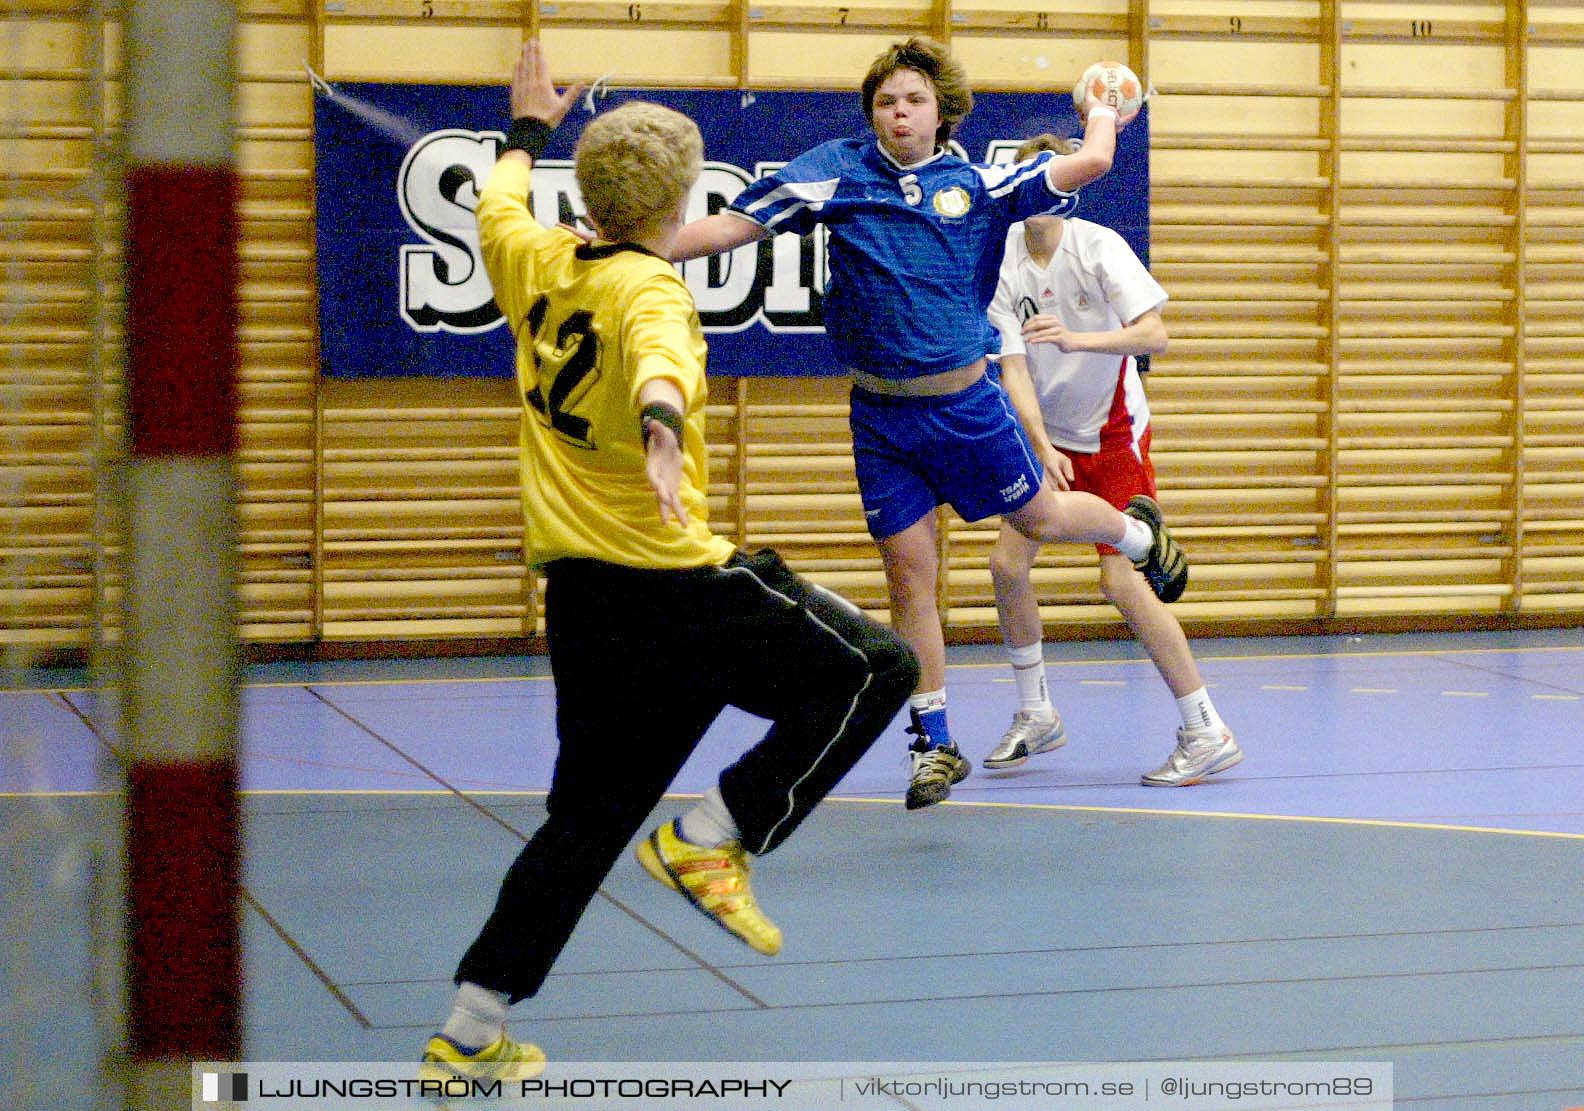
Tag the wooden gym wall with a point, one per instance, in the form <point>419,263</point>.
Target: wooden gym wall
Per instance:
<point>1367,215</point>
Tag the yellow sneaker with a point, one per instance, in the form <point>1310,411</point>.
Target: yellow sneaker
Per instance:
<point>714,880</point>
<point>502,1059</point>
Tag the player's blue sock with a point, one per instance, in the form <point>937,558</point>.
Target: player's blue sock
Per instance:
<point>929,716</point>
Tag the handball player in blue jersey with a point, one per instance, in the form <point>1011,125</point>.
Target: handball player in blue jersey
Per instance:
<point>916,238</point>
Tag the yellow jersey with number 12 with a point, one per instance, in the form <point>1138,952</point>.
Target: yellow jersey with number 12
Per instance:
<point>593,323</point>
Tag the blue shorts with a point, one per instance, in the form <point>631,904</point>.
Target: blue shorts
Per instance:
<point>966,449</point>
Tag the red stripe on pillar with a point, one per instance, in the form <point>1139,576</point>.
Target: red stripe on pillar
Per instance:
<point>182,310</point>
<point>183,862</point>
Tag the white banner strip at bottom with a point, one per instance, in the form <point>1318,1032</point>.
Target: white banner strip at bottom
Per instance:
<point>797,1086</point>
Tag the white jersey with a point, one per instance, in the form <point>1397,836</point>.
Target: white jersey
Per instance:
<point>1094,283</point>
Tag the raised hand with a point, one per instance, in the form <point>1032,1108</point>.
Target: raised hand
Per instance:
<point>532,91</point>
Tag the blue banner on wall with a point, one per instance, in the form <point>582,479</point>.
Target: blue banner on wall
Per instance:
<point>402,290</point>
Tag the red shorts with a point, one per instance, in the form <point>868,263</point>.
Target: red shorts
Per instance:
<point>1114,473</point>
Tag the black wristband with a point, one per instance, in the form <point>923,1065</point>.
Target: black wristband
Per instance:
<point>662,413</point>
<point>528,134</point>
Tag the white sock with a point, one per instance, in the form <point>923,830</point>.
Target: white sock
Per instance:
<point>929,700</point>
<point>1198,712</point>
<point>478,1016</point>
<point>1137,539</point>
<point>709,823</point>
<point>1028,668</point>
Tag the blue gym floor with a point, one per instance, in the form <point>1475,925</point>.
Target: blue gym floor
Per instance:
<point>1392,874</point>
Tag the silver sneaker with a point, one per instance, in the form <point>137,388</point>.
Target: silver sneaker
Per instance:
<point>1200,753</point>
<point>1029,735</point>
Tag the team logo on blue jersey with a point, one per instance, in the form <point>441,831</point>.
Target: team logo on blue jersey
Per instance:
<point>952,203</point>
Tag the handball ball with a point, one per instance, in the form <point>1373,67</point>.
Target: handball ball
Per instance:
<point>1111,83</point>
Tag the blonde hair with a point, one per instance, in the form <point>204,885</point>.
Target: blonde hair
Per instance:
<point>952,94</point>
<point>635,165</point>
<point>1040,143</point>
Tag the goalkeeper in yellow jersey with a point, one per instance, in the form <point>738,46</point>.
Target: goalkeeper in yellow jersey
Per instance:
<point>655,624</point>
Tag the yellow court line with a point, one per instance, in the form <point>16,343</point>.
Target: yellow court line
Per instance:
<point>1381,653</point>
<point>1082,682</point>
<point>309,792</point>
<point>293,683</point>
<point>1050,807</point>
<point>96,794</point>
<point>1382,823</point>
<point>398,682</point>
<point>1253,657</point>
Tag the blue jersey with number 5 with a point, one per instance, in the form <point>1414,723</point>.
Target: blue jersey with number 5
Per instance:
<point>914,250</point>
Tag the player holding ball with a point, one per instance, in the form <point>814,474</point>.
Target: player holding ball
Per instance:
<point>916,239</point>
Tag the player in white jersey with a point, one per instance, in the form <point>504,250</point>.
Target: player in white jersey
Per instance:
<point>1075,307</point>
<point>916,237</point>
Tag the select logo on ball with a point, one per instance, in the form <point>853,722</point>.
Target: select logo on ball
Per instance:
<point>1112,84</point>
